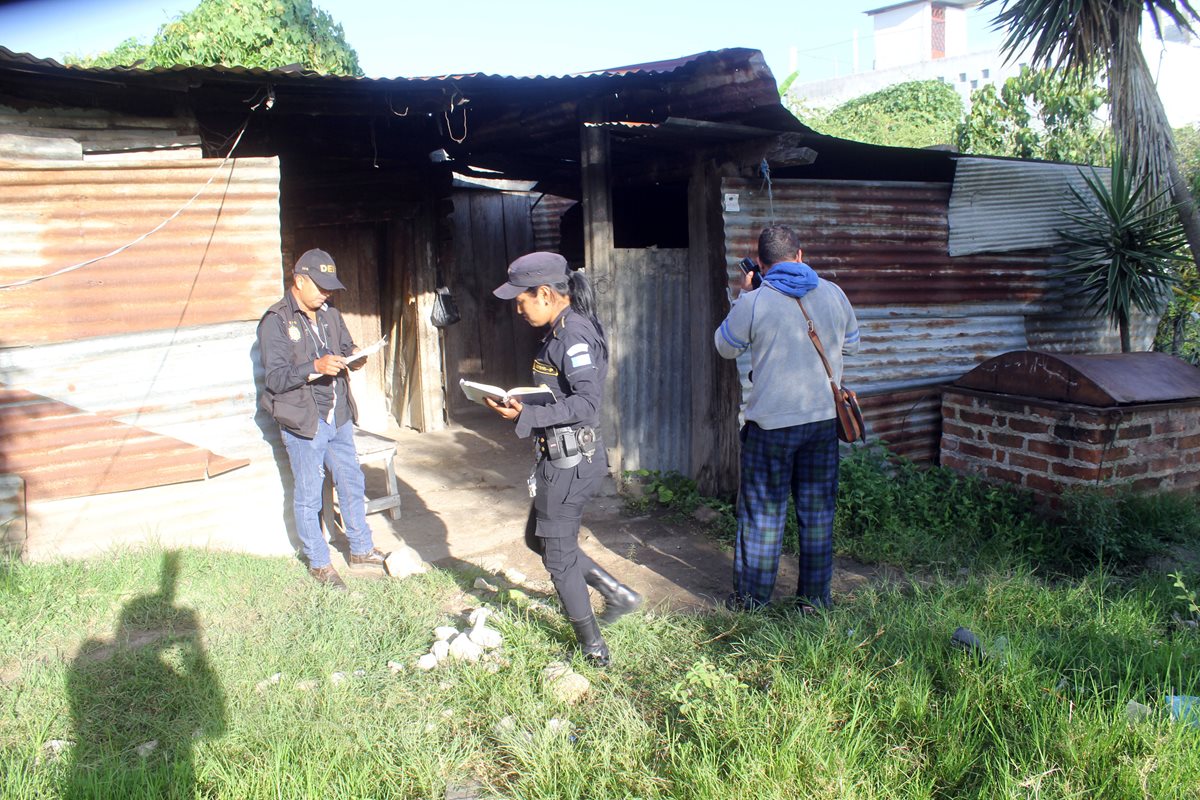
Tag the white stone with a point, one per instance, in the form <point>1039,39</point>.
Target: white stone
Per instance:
<point>570,688</point>
<point>505,725</point>
<point>360,673</point>
<point>481,583</point>
<point>265,683</point>
<point>461,647</point>
<point>485,637</point>
<point>306,686</point>
<point>444,632</point>
<point>337,678</point>
<point>513,575</point>
<point>146,748</point>
<point>440,649</point>
<point>564,683</point>
<point>395,666</point>
<point>493,562</point>
<point>53,748</point>
<point>427,661</point>
<point>556,725</point>
<point>479,616</point>
<point>555,669</point>
<point>404,562</point>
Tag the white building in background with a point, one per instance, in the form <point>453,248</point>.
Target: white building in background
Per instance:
<point>1174,62</point>
<point>921,40</point>
<point>914,32</point>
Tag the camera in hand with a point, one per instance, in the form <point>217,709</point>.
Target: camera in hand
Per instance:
<point>748,266</point>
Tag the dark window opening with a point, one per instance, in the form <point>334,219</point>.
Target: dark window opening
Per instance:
<point>650,216</point>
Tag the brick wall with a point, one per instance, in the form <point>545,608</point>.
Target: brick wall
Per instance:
<point>1047,446</point>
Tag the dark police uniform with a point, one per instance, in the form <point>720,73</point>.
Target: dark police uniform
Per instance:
<point>573,363</point>
<point>290,343</point>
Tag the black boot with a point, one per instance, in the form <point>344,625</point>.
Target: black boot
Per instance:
<point>587,631</point>
<point>619,599</point>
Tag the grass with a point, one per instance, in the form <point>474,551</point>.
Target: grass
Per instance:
<point>868,700</point>
<point>933,519</point>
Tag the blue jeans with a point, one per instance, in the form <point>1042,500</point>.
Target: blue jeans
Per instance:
<point>332,447</point>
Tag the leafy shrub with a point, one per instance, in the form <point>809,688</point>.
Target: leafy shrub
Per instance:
<point>892,510</point>
<point>1122,528</point>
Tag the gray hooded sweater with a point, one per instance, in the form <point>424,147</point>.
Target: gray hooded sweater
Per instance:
<point>790,386</point>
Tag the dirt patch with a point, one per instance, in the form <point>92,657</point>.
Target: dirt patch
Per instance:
<point>464,506</point>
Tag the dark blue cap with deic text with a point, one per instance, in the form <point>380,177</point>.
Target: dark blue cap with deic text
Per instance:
<point>318,266</point>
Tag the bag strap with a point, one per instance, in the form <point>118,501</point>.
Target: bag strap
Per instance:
<point>816,340</point>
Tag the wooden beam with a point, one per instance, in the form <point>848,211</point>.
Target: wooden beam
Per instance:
<point>784,150</point>
<point>715,389</point>
<point>432,398</point>
<point>596,193</point>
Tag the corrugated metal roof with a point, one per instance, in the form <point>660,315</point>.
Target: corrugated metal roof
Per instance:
<point>219,260</point>
<point>283,74</point>
<point>883,242</point>
<point>1094,380</point>
<point>1001,205</point>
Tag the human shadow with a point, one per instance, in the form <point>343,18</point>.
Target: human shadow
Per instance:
<point>141,701</point>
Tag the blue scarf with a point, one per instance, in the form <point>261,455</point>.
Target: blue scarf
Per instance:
<point>793,278</point>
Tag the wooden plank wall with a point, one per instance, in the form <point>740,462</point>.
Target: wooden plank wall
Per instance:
<point>491,343</point>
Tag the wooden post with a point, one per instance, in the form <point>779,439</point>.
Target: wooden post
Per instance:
<point>597,250</point>
<point>432,398</point>
<point>715,388</point>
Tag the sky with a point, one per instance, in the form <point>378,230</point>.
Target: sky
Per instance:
<point>417,38</point>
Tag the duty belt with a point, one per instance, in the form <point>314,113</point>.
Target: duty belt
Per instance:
<point>564,446</point>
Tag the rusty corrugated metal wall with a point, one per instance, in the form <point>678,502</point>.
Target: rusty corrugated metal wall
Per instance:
<point>155,347</point>
<point>926,318</point>
<point>197,270</point>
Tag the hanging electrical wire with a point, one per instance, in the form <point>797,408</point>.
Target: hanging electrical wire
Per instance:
<point>268,102</point>
<point>765,170</point>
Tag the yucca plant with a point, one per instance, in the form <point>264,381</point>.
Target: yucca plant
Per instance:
<point>1081,38</point>
<point>1126,246</point>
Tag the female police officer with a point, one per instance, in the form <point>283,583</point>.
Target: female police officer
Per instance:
<point>571,462</point>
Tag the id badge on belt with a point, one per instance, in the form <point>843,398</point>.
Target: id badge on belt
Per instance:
<point>532,482</point>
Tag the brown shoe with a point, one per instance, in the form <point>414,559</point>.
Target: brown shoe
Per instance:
<point>328,576</point>
<point>375,558</point>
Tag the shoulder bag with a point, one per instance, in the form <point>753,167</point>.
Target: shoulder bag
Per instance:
<point>850,427</point>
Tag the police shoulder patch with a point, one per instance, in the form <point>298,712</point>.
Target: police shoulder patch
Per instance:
<point>542,368</point>
<point>581,347</point>
<point>293,331</point>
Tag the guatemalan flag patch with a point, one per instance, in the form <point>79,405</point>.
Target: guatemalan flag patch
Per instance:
<point>579,355</point>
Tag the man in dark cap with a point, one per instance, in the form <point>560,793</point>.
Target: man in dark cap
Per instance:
<point>304,344</point>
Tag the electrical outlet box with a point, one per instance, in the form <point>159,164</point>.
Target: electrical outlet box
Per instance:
<point>731,202</point>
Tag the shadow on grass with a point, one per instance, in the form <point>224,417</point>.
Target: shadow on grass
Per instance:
<point>141,702</point>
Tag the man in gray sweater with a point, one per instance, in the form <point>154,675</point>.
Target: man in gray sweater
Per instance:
<point>789,441</point>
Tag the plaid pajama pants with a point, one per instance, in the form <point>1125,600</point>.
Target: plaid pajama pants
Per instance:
<point>802,460</point>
